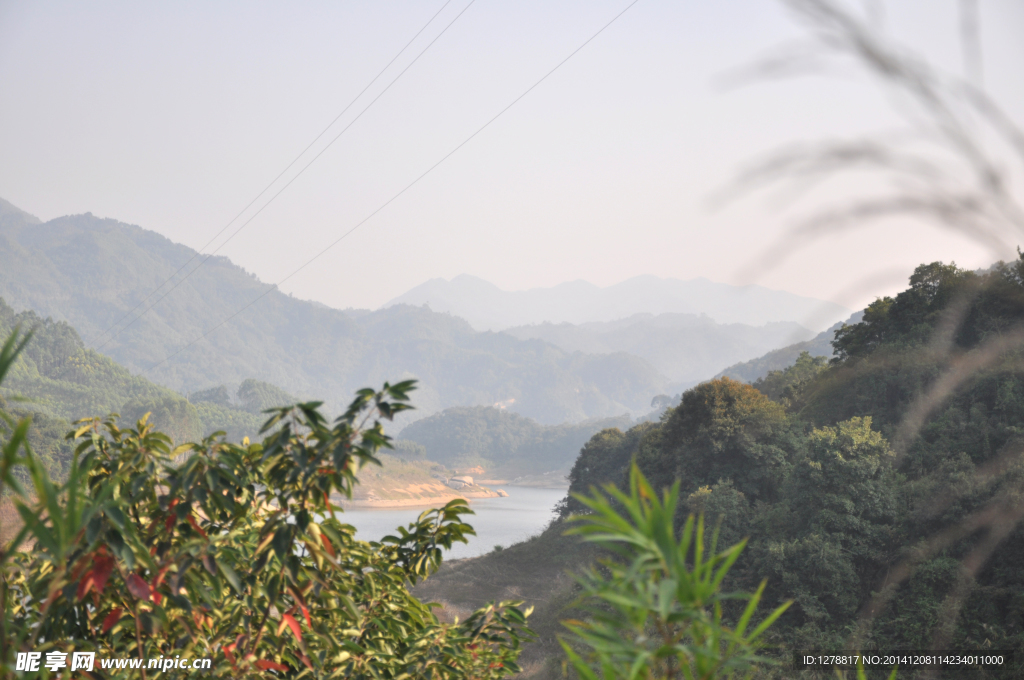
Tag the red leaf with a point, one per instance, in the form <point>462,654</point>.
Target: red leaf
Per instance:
<point>327,545</point>
<point>305,612</point>
<point>228,654</point>
<point>97,576</point>
<point>294,625</point>
<point>113,617</point>
<point>85,584</point>
<point>265,665</point>
<point>139,588</point>
<point>305,660</point>
<point>104,567</point>
<point>195,525</point>
<point>83,564</point>
<point>160,576</point>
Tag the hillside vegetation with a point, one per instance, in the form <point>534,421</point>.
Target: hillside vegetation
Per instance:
<point>505,444</point>
<point>91,272</point>
<point>778,359</point>
<point>882,495</point>
<point>60,380</point>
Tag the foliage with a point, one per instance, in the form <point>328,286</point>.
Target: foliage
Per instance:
<point>656,606</point>
<point>852,513</point>
<point>217,396</point>
<point>722,430</point>
<point>498,439</point>
<point>235,553</point>
<point>783,386</point>
<point>257,396</point>
<point>782,358</point>
<point>45,437</point>
<point>61,380</point>
<point>236,424</point>
<point>406,448</point>
<point>605,457</point>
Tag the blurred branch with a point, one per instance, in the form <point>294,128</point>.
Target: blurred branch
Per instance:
<point>951,165</point>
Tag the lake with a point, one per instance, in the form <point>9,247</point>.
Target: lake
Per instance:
<point>498,521</point>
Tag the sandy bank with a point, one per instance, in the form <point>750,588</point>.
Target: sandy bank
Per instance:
<point>412,495</point>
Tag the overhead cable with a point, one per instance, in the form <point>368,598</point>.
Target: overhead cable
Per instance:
<point>396,196</point>
<point>282,173</point>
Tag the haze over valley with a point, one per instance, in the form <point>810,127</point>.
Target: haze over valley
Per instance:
<point>99,276</point>
<point>512,340</point>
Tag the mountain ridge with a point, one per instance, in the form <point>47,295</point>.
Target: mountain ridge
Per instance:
<point>91,271</point>
<point>687,348</point>
<point>488,307</point>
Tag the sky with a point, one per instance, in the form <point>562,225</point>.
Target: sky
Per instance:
<point>175,116</point>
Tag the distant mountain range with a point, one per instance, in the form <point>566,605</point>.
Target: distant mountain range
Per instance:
<point>487,307</point>
<point>783,357</point>
<point>685,347</point>
<point>91,272</point>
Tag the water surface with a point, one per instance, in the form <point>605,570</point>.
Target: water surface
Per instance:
<point>498,521</point>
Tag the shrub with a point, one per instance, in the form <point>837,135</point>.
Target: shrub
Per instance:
<point>234,554</point>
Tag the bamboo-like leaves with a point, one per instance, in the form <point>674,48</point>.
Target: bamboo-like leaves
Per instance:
<point>656,604</point>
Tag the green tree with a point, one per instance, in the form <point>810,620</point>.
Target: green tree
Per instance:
<point>235,554</point>
<point>722,429</point>
<point>784,386</point>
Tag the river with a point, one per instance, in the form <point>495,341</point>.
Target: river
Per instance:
<point>498,521</point>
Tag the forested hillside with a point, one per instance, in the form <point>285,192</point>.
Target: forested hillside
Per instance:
<point>880,492</point>
<point>505,444</point>
<point>91,272</point>
<point>778,359</point>
<point>62,381</point>
<point>868,461</point>
<point>687,348</point>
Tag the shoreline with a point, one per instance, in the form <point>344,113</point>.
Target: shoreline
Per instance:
<point>424,502</point>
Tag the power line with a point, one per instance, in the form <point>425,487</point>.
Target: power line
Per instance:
<point>396,196</point>
<point>274,181</point>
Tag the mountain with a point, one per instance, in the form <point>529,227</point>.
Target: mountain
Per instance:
<point>59,380</point>
<point>91,272</point>
<point>487,307</point>
<point>505,444</point>
<point>687,348</point>
<point>784,357</point>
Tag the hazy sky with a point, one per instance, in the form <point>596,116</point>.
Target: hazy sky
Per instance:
<point>173,116</point>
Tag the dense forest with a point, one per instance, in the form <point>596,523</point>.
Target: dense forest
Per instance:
<point>59,380</point>
<point>842,484</point>
<point>880,489</point>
